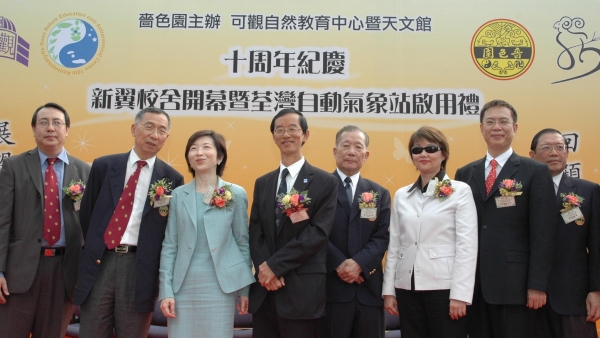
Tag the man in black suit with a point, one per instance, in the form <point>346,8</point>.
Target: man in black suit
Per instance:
<point>118,274</point>
<point>516,233</point>
<point>356,245</point>
<point>37,266</point>
<point>288,248</point>
<point>574,292</point>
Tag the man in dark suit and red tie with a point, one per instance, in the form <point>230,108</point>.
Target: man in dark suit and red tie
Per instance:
<point>291,218</point>
<point>574,293</point>
<point>40,235</point>
<point>516,232</point>
<point>118,274</point>
<point>356,245</point>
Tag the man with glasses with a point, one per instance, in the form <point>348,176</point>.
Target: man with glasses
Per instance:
<point>289,233</point>
<point>40,235</point>
<point>574,291</point>
<point>118,274</point>
<point>516,232</point>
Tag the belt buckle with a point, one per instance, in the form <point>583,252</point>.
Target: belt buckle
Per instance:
<point>122,248</point>
<point>49,253</point>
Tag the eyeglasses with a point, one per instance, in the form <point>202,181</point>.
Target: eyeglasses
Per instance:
<point>501,122</point>
<point>546,148</point>
<point>290,131</point>
<point>428,149</point>
<point>151,130</point>
<point>55,123</point>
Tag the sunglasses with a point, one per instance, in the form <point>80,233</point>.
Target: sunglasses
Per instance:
<point>428,149</point>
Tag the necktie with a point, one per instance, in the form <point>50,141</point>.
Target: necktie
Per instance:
<point>118,223</point>
<point>489,181</point>
<point>349,190</point>
<point>51,205</point>
<point>282,190</point>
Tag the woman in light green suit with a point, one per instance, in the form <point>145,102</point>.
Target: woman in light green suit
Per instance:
<point>205,260</point>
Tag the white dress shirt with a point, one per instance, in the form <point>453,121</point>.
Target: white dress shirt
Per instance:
<point>436,241</point>
<point>501,159</point>
<point>130,237</point>
<point>353,178</point>
<point>294,170</point>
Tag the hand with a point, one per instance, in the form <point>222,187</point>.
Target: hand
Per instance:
<point>242,305</point>
<point>458,309</point>
<point>592,304</point>
<point>390,305</point>
<point>535,299</point>
<point>167,306</point>
<point>349,271</point>
<point>267,278</point>
<point>3,290</point>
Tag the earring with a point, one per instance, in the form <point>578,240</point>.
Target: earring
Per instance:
<point>218,163</point>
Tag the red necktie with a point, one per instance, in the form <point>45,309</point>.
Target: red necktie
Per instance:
<point>118,223</point>
<point>489,181</point>
<point>51,205</point>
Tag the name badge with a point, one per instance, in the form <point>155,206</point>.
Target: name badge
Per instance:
<point>208,194</point>
<point>164,200</point>
<point>370,213</point>
<point>505,202</point>
<point>77,205</point>
<point>299,216</point>
<point>572,215</point>
<point>430,188</point>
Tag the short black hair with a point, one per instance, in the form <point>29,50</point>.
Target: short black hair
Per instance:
<point>55,106</point>
<point>498,103</point>
<point>303,122</point>
<point>536,138</point>
<point>220,145</point>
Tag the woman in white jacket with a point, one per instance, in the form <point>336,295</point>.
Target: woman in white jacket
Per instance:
<point>430,266</point>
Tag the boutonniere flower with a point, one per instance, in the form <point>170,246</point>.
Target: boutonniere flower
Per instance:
<point>158,196</point>
<point>509,187</point>
<point>443,189</point>
<point>222,197</point>
<point>293,201</point>
<point>570,202</point>
<point>75,192</point>
<point>368,199</point>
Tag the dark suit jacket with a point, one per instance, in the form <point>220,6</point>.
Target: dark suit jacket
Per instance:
<point>576,272</point>
<point>104,188</point>
<point>297,251</point>
<point>362,240</point>
<point>516,244</point>
<point>22,220</point>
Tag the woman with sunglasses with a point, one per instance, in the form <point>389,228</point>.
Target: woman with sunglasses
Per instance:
<point>430,266</point>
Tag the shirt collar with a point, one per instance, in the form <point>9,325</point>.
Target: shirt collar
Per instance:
<point>441,175</point>
<point>61,156</point>
<point>501,159</point>
<point>557,179</point>
<point>294,168</point>
<point>133,158</point>
<point>354,177</point>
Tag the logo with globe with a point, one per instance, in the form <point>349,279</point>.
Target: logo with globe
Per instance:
<point>72,43</point>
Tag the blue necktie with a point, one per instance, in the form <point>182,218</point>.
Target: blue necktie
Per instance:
<point>349,190</point>
<point>282,190</point>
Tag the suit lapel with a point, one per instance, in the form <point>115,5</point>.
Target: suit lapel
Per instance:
<point>270,200</point>
<point>302,181</point>
<point>157,174</point>
<point>508,171</point>
<point>116,177</point>
<point>361,187</point>
<point>34,167</point>
<point>479,177</point>
<point>189,201</point>
<point>341,196</point>
<point>565,186</point>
